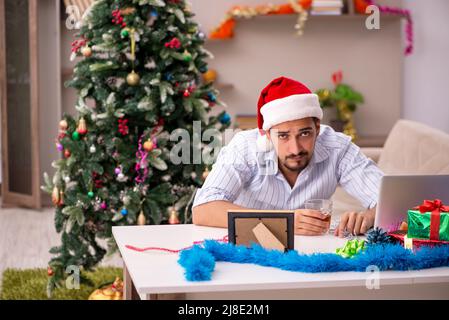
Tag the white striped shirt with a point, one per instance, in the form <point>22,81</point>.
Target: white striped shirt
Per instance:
<point>251,179</point>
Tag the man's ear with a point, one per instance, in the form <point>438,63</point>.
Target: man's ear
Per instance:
<point>317,126</point>
<point>267,132</point>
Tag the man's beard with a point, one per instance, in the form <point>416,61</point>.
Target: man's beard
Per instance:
<point>296,165</point>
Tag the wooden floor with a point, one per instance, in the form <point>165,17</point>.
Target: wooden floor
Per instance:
<point>27,235</point>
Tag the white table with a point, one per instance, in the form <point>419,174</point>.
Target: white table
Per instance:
<point>151,273</point>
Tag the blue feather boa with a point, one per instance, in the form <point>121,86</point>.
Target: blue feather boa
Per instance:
<point>199,261</point>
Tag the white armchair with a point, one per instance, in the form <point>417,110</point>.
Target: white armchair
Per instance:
<point>411,148</point>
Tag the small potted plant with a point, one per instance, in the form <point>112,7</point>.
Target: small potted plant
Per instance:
<point>345,100</point>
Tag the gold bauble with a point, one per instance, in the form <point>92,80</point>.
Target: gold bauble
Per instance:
<point>111,292</point>
<point>63,125</point>
<point>148,145</point>
<point>86,51</point>
<point>210,76</point>
<point>141,221</point>
<point>133,79</point>
<point>173,219</point>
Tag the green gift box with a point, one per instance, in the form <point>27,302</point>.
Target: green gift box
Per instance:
<point>429,221</point>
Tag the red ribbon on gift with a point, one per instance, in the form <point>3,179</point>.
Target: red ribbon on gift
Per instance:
<point>435,207</point>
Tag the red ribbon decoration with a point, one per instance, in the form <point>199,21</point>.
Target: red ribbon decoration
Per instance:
<point>435,207</point>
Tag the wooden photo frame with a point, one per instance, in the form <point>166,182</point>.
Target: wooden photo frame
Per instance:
<point>272,229</point>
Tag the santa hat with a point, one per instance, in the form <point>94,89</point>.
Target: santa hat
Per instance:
<point>284,100</point>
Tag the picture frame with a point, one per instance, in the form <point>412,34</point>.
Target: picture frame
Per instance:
<point>272,229</point>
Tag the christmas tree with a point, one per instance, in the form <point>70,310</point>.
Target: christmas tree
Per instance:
<point>139,80</point>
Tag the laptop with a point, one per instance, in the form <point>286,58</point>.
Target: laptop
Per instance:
<point>399,193</point>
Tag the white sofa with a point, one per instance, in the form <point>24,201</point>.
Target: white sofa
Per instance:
<point>411,148</point>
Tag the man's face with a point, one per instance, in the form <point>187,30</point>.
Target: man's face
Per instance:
<point>294,142</point>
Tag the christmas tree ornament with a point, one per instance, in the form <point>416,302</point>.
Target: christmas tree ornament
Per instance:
<point>186,93</point>
<point>86,51</point>
<point>212,97</point>
<point>148,145</point>
<point>205,173</point>
<point>203,69</point>
<point>173,44</point>
<point>124,212</point>
<point>59,146</point>
<point>117,18</point>
<point>92,149</point>
<point>117,170</point>
<point>61,136</point>
<point>201,35</point>
<point>124,33</point>
<point>173,218</point>
<point>67,153</point>
<point>153,13</point>
<point>77,44</point>
<point>210,76</point>
<point>123,126</point>
<point>50,271</point>
<point>66,179</point>
<point>55,196</point>
<point>133,78</point>
<point>82,127</point>
<point>187,56</point>
<point>63,125</point>
<point>120,177</point>
<point>75,135</point>
<point>90,194</point>
<point>110,292</point>
<point>61,198</point>
<point>103,206</point>
<point>141,221</point>
<point>225,118</point>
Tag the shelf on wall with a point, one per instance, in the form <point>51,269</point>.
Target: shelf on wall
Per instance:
<point>332,17</point>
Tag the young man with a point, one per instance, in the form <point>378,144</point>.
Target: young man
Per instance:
<point>291,158</point>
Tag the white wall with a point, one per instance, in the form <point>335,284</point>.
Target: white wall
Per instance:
<point>426,72</point>
<point>266,47</point>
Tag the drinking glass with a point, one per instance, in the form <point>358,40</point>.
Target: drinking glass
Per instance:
<point>324,206</point>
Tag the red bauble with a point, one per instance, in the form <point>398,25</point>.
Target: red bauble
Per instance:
<point>50,271</point>
<point>67,153</point>
<point>187,93</point>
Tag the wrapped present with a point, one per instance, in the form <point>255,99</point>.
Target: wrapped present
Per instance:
<point>430,221</point>
<point>410,243</point>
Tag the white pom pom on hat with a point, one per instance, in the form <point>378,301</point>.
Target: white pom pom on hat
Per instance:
<point>283,100</point>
